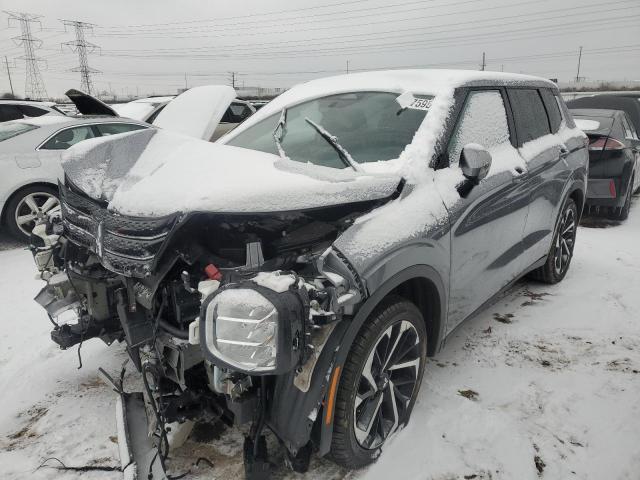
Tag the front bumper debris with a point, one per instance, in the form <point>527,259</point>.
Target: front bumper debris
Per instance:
<point>138,455</point>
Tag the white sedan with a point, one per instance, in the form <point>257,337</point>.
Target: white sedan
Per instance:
<point>30,151</point>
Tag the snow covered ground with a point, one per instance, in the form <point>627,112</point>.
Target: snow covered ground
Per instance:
<point>543,384</point>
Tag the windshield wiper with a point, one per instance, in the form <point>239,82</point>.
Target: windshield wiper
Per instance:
<point>279,131</point>
<point>344,155</point>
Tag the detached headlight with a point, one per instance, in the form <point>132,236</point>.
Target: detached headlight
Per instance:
<point>253,329</point>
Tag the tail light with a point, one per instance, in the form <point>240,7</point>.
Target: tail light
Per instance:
<point>605,143</point>
<point>612,188</point>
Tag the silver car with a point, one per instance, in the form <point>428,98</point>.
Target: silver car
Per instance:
<point>30,151</point>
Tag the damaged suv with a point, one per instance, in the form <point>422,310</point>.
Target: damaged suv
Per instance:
<point>296,275</point>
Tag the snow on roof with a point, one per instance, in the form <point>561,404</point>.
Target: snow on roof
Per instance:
<point>154,100</point>
<point>139,109</point>
<point>424,81</point>
<point>43,120</point>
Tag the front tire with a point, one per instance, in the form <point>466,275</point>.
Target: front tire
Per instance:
<point>379,383</point>
<point>561,252</point>
<point>24,207</point>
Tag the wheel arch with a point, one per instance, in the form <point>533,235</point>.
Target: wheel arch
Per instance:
<point>420,284</point>
<point>16,192</point>
<point>578,196</point>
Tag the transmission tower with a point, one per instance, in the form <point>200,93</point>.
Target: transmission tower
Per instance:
<point>83,48</point>
<point>34,85</point>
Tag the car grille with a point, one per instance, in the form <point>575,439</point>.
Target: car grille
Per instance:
<point>125,245</point>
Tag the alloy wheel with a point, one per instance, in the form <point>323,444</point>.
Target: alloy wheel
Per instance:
<point>564,241</point>
<point>387,385</point>
<point>31,207</point>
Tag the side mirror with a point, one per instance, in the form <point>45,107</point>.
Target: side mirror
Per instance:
<point>475,162</point>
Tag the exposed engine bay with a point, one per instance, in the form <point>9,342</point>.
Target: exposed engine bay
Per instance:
<point>223,315</point>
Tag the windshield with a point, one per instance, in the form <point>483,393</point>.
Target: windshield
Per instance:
<point>13,129</point>
<point>371,126</point>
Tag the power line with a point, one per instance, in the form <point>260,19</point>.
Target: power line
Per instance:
<point>82,47</point>
<point>312,25</point>
<point>331,17</point>
<point>422,43</point>
<point>34,85</point>
<point>431,29</point>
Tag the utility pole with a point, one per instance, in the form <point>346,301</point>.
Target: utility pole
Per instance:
<point>233,79</point>
<point>484,63</point>
<point>6,62</point>
<point>185,81</point>
<point>82,47</point>
<point>34,85</point>
<point>347,66</point>
<point>579,60</point>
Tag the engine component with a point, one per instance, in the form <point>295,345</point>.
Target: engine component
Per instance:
<point>58,296</point>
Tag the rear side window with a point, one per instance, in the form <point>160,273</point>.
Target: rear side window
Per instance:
<point>68,137</point>
<point>10,112</point>
<point>553,109</point>
<point>483,121</point>
<point>114,128</point>
<point>13,129</point>
<point>31,111</point>
<point>529,114</point>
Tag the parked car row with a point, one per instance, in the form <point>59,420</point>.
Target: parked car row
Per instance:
<point>35,134</point>
<point>296,274</point>
<point>612,123</point>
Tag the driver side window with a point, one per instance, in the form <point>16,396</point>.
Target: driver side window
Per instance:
<point>483,121</point>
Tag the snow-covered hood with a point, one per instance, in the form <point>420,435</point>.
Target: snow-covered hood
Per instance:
<point>155,172</point>
<point>196,112</point>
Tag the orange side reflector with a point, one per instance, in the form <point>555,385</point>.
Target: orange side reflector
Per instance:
<point>332,395</point>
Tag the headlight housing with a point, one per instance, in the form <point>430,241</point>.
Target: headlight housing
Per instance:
<point>253,329</point>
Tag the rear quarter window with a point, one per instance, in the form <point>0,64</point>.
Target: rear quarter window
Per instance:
<point>529,114</point>
<point>564,110</point>
<point>13,129</point>
<point>31,111</point>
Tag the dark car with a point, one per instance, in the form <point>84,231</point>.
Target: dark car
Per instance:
<point>295,275</point>
<point>614,160</point>
<point>627,102</point>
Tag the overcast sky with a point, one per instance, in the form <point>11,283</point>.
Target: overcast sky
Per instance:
<point>147,46</point>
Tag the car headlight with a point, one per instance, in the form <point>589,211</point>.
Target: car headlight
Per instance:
<point>253,329</point>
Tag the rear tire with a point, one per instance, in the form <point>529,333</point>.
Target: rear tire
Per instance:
<point>24,207</point>
<point>379,383</point>
<point>561,252</point>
